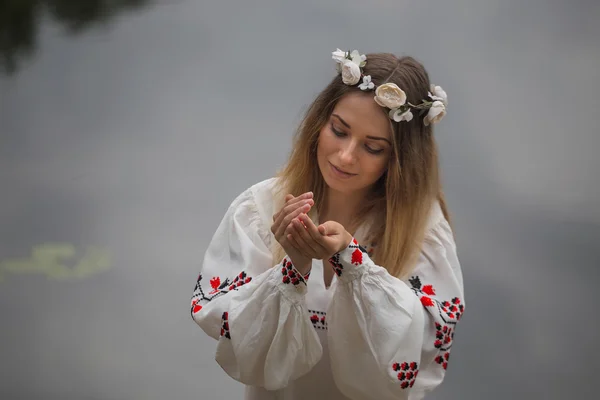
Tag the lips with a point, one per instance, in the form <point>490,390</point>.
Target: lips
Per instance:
<point>342,171</point>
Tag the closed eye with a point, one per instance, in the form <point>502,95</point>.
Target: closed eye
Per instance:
<point>367,147</point>
<point>336,132</point>
<point>373,151</point>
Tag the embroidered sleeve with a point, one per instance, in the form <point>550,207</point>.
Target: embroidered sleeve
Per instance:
<point>255,310</point>
<point>388,338</point>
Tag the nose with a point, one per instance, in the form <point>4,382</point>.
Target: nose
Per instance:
<point>347,153</point>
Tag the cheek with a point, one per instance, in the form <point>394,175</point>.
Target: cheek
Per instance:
<point>378,166</point>
<point>325,142</point>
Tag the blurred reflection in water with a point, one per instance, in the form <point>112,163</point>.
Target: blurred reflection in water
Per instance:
<point>58,261</point>
<point>20,20</point>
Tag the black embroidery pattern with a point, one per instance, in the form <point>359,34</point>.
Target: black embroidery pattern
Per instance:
<point>407,373</point>
<point>219,288</point>
<point>356,259</point>
<point>225,325</point>
<point>443,358</point>
<point>289,273</point>
<point>449,313</point>
<point>335,263</point>
<point>318,319</point>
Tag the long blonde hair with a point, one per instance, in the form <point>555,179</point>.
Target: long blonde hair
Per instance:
<point>401,201</point>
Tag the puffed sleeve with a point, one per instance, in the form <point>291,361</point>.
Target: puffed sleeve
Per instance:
<point>390,338</point>
<point>255,309</point>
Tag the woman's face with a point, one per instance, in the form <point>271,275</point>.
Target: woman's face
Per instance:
<point>355,145</point>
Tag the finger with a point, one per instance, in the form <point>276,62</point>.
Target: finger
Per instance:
<point>311,228</point>
<point>312,232</point>
<point>287,198</point>
<point>302,250</point>
<point>294,203</point>
<point>285,221</point>
<point>295,241</point>
<point>290,206</point>
<point>303,237</point>
<point>289,240</point>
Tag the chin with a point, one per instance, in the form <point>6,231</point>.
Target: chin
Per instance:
<point>340,187</point>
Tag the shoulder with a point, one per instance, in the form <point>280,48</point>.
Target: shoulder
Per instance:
<point>436,216</point>
<point>251,210</point>
<point>263,192</point>
<point>438,228</point>
<point>261,198</point>
<point>260,193</point>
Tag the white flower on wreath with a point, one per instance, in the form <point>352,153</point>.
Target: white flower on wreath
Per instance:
<point>366,83</point>
<point>339,56</point>
<point>437,93</point>
<point>358,59</point>
<point>390,95</point>
<point>350,72</point>
<point>399,115</point>
<point>436,113</point>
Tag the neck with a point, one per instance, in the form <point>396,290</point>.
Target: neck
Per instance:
<point>342,208</point>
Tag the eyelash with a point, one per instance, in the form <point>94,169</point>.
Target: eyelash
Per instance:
<point>342,134</point>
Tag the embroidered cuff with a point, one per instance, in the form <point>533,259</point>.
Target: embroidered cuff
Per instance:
<point>351,262</point>
<point>291,281</point>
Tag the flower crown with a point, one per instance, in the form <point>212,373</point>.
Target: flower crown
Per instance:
<point>389,95</point>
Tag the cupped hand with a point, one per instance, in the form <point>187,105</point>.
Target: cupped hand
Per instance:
<point>320,242</point>
<point>292,208</point>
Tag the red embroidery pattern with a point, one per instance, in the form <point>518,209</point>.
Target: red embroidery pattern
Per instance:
<point>453,308</point>
<point>356,257</point>
<point>335,263</point>
<point>215,283</point>
<point>443,359</point>
<point>318,319</point>
<point>219,288</point>
<point>307,276</point>
<point>289,273</point>
<point>447,316</point>
<point>450,311</point>
<point>407,373</point>
<point>195,306</point>
<point>225,326</point>
<point>443,335</point>
<point>240,280</point>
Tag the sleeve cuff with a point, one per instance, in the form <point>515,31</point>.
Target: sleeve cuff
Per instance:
<point>290,281</point>
<point>351,263</point>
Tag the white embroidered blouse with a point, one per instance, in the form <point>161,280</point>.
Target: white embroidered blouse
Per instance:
<point>368,335</point>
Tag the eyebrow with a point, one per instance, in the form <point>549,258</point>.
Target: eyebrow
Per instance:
<point>368,137</point>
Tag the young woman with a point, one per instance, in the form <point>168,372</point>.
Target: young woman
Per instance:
<point>339,278</point>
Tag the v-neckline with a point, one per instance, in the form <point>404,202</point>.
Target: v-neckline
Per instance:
<point>327,267</point>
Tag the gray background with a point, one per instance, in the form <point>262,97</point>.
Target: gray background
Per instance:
<point>135,133</point>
